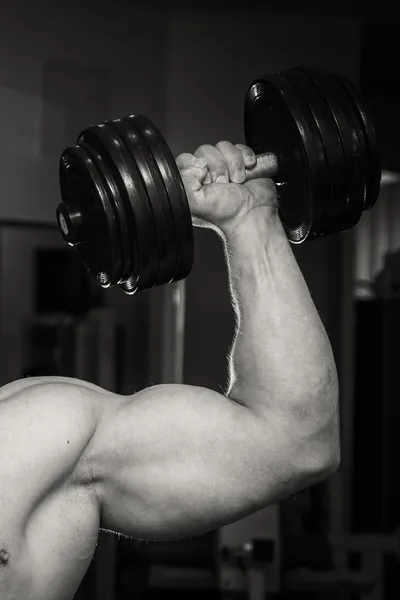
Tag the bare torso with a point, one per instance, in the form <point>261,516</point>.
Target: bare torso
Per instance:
<point>48,523</point>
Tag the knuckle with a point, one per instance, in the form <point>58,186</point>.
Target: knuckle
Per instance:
<point>190,172</point>
<point>185,156</point>
<point>246,151</point>
<point>203,149</point>
<point>184,159</point>
<point>223,145</point>
<point>249,150</point>
<point>187,176</point>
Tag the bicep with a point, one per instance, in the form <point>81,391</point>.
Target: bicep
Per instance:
<point>176,461</point>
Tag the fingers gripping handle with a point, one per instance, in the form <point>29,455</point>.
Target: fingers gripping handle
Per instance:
<point>266,167</point>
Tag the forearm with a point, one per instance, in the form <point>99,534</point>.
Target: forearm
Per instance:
<point>281,360</point>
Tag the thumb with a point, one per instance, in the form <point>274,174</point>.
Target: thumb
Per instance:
<point>264,191</point>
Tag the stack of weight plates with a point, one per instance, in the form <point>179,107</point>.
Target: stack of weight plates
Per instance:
<point>124,206</point>
<point>329,168</point>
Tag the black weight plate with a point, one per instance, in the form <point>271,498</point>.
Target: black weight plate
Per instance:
<point>161,204</point>
<point>110,176</point>
<point>329,135</point>
<point>374,171</point>
<point>353,148</point>
<point>140,206</point>
<point>82,189</point>
<point>158,198</point>
<point>112,179</point>
<point>284,124</point>
<point>106,169</point>
<point>268,127</point>
<point>129,252</point>
<point>176,192</point>
<point>136,213</point>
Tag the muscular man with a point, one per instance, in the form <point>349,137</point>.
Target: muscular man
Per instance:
<point>174,460</point>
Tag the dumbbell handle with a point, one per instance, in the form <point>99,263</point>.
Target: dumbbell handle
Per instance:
<point>267,166</point>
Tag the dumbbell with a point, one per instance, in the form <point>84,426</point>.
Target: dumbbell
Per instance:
<point>124,206</point>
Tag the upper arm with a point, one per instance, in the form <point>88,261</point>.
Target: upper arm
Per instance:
<point>176,461</point>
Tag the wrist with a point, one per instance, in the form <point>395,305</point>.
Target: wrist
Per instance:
<point>255,227</point>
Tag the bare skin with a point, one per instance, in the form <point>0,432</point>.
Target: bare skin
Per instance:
<point>174,461</point>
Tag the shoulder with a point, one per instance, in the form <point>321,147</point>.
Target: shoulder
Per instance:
<point>47,496</point>
<point>34,395</point>
<point>50,420</point>
<point>58,386</point>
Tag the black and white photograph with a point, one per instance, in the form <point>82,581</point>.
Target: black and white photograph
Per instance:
<point>199,300</point>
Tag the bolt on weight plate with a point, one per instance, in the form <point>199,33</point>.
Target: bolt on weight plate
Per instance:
<point>84,193</point>
<point>175,189</point>
<point>345,217</point>
<point>374,161</point>
<point>157,196</point>
<point>336,165</point>
<point>135,215</point>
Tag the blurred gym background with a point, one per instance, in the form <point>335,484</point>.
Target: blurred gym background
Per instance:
<point>187,67</point>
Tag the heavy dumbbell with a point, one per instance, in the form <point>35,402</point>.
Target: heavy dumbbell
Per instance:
<point>124,205</point>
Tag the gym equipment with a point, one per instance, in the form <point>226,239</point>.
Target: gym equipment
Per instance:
<point>124,205</point>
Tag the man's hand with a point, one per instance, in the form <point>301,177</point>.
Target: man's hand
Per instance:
<point>214,179</point>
